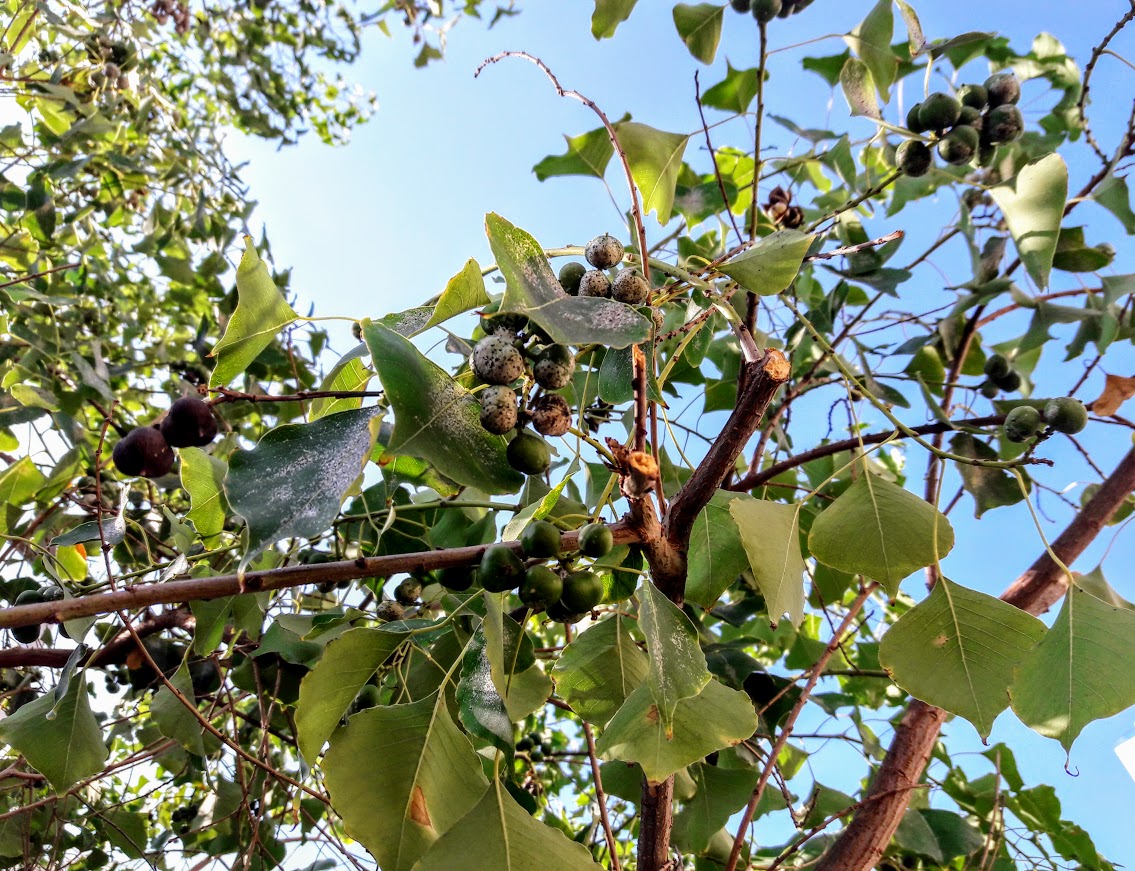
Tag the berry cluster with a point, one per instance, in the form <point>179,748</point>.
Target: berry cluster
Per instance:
<point>766,10</point>
<point>148,450</point>
<point>966,126</point>
<point>567,591</point>
<point>183,817</point>
<point>780,210</point>
<point>1063,414</point>
<point>1001,376</point>
<point>516,355</point>
<point>33,596</point>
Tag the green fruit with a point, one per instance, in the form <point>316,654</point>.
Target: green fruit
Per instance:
<point>604,251</point>
<point>551,415</point>
<point>570,274</point>
<point>913,119</point>
<point>971,117</point>
<point>630,287</point>
<point>529,454</point>
<point>1022,423</point>
<point>939,112</point>
<point>508,324</point>
<point>540,540</point>
<point>189,424</point>
<point>595,283</point>
<point>914,158</point>
<point>143,451</point>
<point>766,10</point>
<point>524,745</point>
<point>973,96</point>
<point>959,145</point>
<point>1066,415</point>
<point>997,366</point>
<point>495,359</point>
<point>1003,89</point>
<point>457,579</point>
<point>500,569</point>
<point>389,612</point>
<point>990,390</point>
<point>206,677</point>
<point>498,409</point>
<point>595,540</point>
<point>536,754</point>
<point>1003,124</point>
<point>1011,383</point>
<point>28,634</point>
<point>541,587</point>
<point>985,154</point>
<point>554,367</point>
<point>582,592</point>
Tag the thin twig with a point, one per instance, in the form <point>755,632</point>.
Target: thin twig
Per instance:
<point>713,157</point>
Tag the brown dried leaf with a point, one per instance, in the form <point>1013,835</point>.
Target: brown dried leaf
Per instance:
<point>419,813</point>
<point>1116,391</point>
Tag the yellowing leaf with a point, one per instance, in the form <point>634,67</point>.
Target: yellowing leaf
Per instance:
<point>655,158</point>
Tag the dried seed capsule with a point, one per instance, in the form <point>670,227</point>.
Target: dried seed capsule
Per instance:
<point>551,415</point>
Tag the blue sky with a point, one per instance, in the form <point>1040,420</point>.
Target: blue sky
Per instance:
<point>380,225</point>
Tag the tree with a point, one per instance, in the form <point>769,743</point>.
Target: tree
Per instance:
<point>386,612</point>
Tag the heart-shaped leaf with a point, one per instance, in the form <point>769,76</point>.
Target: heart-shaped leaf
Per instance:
<point>772,264</point>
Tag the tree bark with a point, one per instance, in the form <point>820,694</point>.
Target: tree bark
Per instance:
<point>860,845</point>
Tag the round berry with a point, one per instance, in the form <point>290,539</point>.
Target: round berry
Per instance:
<point>595,283</point>
<point>554,367</point>
<point>529,454</point>
<point>541,587</point>
<point>496,360</point>
<point>500,569</point>
<point>570,274</point>
<point>540,540</point>
<point>551,415</point>
<point>582,592</point>
<point>1066,415</point>
<point>914,158</point>
<point>630,287</point>
<point>1022,423</point>
<point>1002,89</point>
<point>595,540</point>
<point>498,409</point>
<point>604,251</point>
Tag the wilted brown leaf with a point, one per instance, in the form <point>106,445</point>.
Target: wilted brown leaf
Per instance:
<point>1115,392</point>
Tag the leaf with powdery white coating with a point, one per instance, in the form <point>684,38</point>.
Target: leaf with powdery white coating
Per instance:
<point>600,668</point>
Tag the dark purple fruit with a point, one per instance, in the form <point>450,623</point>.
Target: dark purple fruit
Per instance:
<point>189,424</point>
<point>143,451</point>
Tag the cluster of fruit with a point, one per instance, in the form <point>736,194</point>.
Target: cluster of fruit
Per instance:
<point>1000,375</point>
<point>780,210</point>
<point>513,350</point>
<point>766,10</point>
<point>566,592</point>
<point>183,817</point>
<point>536,745</point>
<point>148,450</point>
<point>971,124</point>
<point>33,596</point>
<point>1063,414</point>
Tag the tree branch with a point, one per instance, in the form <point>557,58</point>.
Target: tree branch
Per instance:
<point>862,843</point>
<point>170,592</point>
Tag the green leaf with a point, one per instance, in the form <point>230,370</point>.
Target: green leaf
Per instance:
<point>203,476</point>
<point>771,265</point>
<point>716,555</point>
<point>600,668</point>
<point>677,665</point>
<point>521,684</point>
<point>463,292</point>
<point>700,28</point>
<point>1113,194</point>
<point>915,37</point>
<point>770,533</point>
<point>350,374</point>
<point>479,704</point>
<point>400,777</point>
<point>616,384</point>
<point>915,836</point>
<point>871,40</point>
<point>956,836</point>
<point>608,15</point>
<point>328,689</point>
<point>210,617</point>
<point>859,88</point>
<point>436,418</point>
<point>734,93</point>
<point>878,529</point>
<point>62,741</point>
<point>261,313</point>
<point>655,158</point>
<point>176,721</point>
<point>18,484</point>
<point>533,289</point>
<point>293,482</point>
<point>957,649</point>
<point>716,718</point>
<point>1081,671</point>
<point>587,154</point>
<point>500,835</point>
<point>1033,204</point>
<point>721,792</point>
<point>990,488</point>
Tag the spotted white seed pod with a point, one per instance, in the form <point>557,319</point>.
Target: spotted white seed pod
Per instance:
<point>551,415</point>
<point>595,283</point>
<point>604,251</point>
<point>630,287</point>
<point>554,367</point>
<point>498,410</point>
<point>497,360</point>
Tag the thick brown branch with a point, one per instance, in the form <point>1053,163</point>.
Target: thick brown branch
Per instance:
<point>756,479</point>
<point>862,843</point>
<point>170,592</point>
<point>114,652</point>
<point>759,386</point>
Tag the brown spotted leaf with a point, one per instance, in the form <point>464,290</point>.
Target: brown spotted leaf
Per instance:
<point>1116,391</point>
